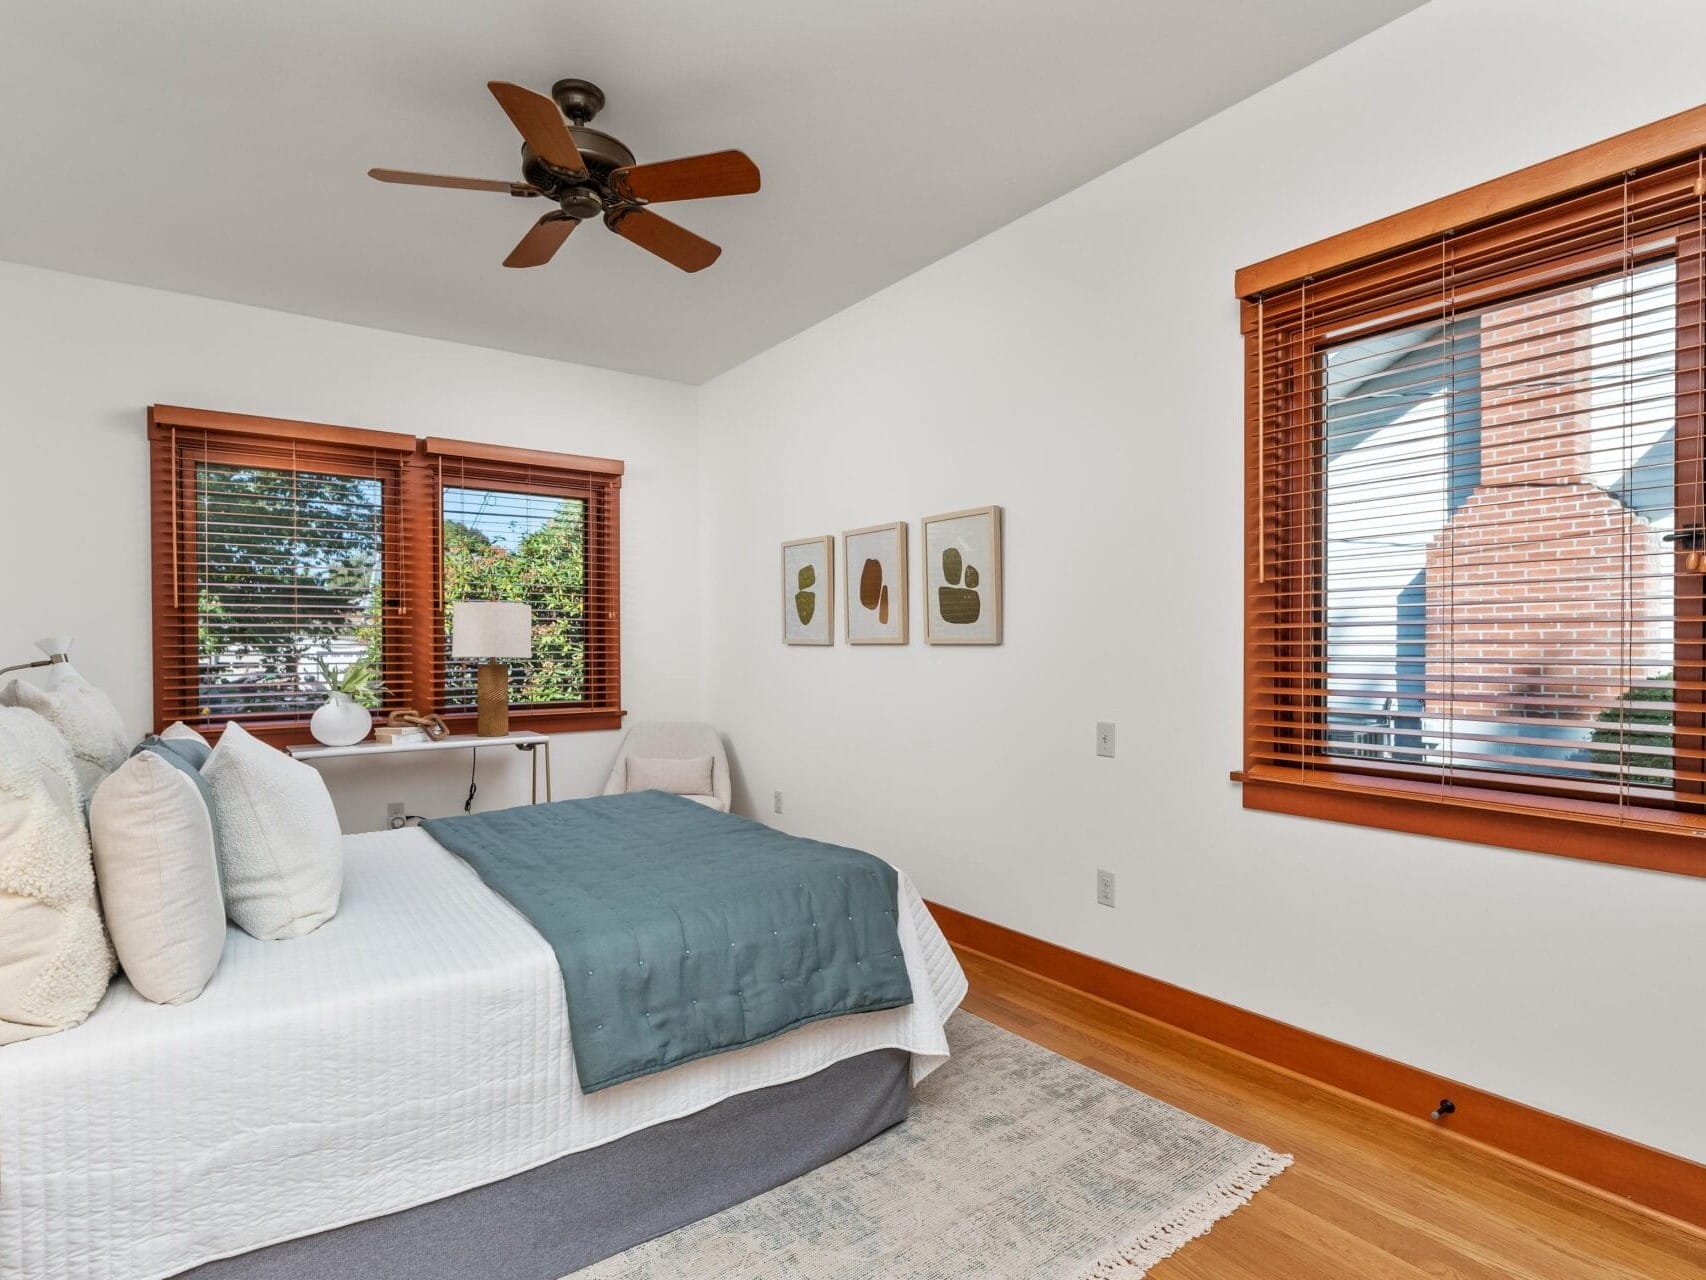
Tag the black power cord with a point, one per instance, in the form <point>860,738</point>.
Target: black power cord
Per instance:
<point>473,765</point>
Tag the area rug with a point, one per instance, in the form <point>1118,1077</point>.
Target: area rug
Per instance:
<point>1016,1164</point>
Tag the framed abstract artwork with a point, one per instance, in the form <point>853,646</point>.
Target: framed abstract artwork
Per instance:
<point>873,577</point>
<point>962,577</point>
<point>808,591</point>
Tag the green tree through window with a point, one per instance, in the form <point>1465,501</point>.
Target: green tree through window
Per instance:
<point>288,569</point>
<point>524,547</point>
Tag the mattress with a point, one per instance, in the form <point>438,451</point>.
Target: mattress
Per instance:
<point>413,1047</point>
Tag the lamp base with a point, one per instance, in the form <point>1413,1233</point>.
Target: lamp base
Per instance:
<point>493,699</point>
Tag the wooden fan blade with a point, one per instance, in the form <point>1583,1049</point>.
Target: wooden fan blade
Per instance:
<point>461,184</point>
<point>722,173</point>
<point>542,240</point>
<point>541,123</point>
<point>655,234</point>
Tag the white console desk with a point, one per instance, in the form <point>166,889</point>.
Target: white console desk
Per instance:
<point>522,741</point>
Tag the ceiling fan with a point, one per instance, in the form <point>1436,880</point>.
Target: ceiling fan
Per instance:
<point>590,174</point>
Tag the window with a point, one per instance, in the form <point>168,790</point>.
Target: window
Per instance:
<point>529,548</point>
<point>1476,532</point>
<point>285,551</point>
<point>544,536</point>
<point>287,569</point>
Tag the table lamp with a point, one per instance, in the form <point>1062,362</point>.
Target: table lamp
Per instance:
<point>491,631</point>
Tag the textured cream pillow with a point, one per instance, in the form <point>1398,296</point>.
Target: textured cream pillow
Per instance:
<point>84,716</point>
<point>55,961</point>
<point>281,853</point>
<point>154,861</point>
<point>687,777</point>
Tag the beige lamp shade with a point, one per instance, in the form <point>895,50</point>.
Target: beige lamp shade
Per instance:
<point>491,629</point>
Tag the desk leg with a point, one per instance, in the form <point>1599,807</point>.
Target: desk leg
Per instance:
<point>532,749</point>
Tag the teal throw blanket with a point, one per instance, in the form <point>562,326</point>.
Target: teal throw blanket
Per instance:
<point>683,932</point>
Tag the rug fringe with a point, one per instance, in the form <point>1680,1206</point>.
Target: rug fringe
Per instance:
<point>1196,1217</point>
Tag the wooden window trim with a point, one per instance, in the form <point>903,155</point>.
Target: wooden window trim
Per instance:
<point>441,447</point>
<point>1658,840</point>
<point>172,415</point>
<point>413,614</point>
<point>1359,265</point>
<point>1501,197</point>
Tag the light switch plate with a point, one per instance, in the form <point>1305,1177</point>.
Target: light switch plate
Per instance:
<point>1105,738</point>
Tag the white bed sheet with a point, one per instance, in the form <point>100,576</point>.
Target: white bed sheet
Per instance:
<point>413,1047</point>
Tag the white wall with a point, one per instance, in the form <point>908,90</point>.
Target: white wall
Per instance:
<point>1081,367</point>
<point>80,360</point>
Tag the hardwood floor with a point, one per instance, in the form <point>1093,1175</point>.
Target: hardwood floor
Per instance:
<point>1373,1195</point>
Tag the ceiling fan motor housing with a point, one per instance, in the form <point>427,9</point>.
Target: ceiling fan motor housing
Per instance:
<point>581,196</point>
<point>601,152</point>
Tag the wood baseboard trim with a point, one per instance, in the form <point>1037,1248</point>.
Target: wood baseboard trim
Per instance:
<point>1651,1179</point>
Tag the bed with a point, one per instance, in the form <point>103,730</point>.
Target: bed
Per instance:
<point>373,1089</point>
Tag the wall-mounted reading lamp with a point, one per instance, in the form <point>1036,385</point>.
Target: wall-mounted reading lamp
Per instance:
<point>57,649</point>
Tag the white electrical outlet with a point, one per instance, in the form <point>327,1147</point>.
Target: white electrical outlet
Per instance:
<point>1105,888</point>
<point>777,803</point>
<point>395,814</point>
<point>1105,738</point>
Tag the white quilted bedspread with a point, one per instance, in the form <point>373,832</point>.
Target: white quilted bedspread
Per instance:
<point>413,1047</point>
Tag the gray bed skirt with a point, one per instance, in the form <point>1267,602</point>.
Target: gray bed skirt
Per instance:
<point>568,1214</point>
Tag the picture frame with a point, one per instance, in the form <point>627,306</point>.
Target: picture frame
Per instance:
<point>963,576</point>
<point>874,584</point>
<point>808,591</point>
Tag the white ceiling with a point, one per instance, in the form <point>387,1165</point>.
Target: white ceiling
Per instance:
<point>220,148</point>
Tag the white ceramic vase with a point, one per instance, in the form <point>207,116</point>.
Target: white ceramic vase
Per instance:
<point>341,721</point>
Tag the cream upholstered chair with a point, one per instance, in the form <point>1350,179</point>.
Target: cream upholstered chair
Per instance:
<point>673,740</point>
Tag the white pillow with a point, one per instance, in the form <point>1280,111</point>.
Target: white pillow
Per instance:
<point>84,716</point>
<point>55,960</point>
<point>159,880</point>
<point>281,853</point>
<point>686,777</point>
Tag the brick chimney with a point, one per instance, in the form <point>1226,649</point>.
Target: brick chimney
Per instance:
<point>1541,603</point>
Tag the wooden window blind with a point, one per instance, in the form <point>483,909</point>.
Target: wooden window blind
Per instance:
<point>276,546</point>
<point>1476,517</point>
<point>283,550</point>
<point>542,530</point>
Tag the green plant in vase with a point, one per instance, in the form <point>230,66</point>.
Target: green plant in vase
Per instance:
<point>344,719</point>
